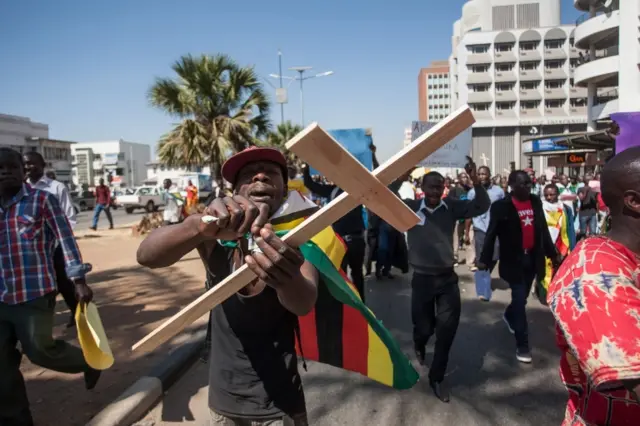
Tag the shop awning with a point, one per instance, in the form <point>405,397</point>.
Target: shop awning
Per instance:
<point>568,142</point>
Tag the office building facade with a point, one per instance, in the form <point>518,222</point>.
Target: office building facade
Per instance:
<point>434,94</point>
<point>512,63</point>
<point>121,163</point>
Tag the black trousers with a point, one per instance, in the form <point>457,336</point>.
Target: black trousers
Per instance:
<point>65,285</point>
<point>354,259</point>
<point>435,307</point>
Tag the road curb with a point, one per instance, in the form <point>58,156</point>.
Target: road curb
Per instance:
<point>134,403</point>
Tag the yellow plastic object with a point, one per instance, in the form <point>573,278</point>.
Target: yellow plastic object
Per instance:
<point>93,339</point>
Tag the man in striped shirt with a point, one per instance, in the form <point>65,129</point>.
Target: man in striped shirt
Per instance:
<point>32,223</point>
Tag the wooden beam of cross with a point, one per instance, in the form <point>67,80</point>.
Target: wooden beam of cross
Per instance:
<point>324,153</point>
<point>421,148</point>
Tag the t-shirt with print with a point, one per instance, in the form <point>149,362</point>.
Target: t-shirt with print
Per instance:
<point>525,211</point>
<point>595,299</point>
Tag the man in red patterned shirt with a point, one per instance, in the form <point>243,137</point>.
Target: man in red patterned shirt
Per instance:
<point>595,299</point>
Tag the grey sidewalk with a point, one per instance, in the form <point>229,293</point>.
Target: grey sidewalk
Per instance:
<point>489,387</point>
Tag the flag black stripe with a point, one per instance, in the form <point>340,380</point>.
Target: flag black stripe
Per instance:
<point>329,327</point>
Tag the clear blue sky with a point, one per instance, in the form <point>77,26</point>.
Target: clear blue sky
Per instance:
<point>84,67</point>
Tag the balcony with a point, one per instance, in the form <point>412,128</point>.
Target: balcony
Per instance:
<point>478,77</point>
<point>602,70</point>
<point>578,110</point>
<point>555,53</point>
<point>530,55</point>
<point>530,95</point>
<point>574,52</point>
<point>482,114</point>
<point>527,113</point>
<point>506,76</point>
<point>480,97</point>
<point>505,113</point>
<point>479,58</point>
<point>556,93</point>
<point>578,92</point>
<point>555,111</point>
<point>598,30</point>
<point>506,96</point>
<point>504,57</point>
<point>555,74</point>
<point>530,75</point>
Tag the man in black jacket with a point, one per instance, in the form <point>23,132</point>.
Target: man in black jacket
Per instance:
<point>518,221</point>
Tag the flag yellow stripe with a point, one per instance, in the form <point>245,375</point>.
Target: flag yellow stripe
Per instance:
<point>379,365</point>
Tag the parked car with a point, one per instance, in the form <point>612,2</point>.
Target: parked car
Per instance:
<point>145,197</point>
<point>83,200</point>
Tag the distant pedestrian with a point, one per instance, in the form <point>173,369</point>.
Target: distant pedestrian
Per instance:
<point>34,166</point>
<point>103,203</point>
<point>172,205</point>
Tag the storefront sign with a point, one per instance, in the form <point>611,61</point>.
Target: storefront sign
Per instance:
<point>543,145</point>
<point>553,121</point>
<point>576,158</point>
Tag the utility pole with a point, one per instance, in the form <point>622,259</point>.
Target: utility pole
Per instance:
<point>280,73</point>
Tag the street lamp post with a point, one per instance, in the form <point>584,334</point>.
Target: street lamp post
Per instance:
<point>301,78</point>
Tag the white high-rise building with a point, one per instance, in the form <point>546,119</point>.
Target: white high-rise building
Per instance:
<point>609,32</point>
<point>512,62</point>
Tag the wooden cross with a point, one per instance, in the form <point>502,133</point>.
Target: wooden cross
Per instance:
<point>484,159</point>
<point>320,150</point>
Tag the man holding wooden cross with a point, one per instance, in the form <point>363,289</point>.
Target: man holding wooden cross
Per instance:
<point>262,386</point>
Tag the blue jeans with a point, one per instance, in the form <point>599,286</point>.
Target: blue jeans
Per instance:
<point>96,215</point>
<point>387,239</point>
<point>516,313</point>
<point>589,225</point>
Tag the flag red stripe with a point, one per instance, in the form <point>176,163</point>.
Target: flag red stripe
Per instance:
<point>355,340</point>
<point>308,336</point>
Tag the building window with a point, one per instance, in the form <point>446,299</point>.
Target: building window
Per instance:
<point>504,87</point>
<point>529,85</point>
<point>504,67</point>
<point>480,107</point>
<point>578,102</point>
<point>554,84</point>
<point>553,103</point>
<point>121,156</point>
<point>478,48</point>
<point>528,66</point>
<point>505,106</point>
<point>553,44</point>
<point>553,65</point>
<point>528,105</point>
<point>573,62</point>
<point>97,157</point>
<point>528,46</point>
<point>479,87</point>
<point>479,68</point>
<point>504,47</point>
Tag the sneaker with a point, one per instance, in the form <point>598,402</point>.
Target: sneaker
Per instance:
<point>524,356</point>
<point>506,321</point>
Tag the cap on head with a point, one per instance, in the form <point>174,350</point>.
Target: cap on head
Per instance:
<point>235,163</point>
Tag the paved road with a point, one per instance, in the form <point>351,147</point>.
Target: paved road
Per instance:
<point>489,387</point>
<point>120,217</point>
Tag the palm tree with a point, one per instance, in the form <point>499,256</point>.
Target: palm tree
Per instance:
<point>221,106</point>
<point>281,135</point>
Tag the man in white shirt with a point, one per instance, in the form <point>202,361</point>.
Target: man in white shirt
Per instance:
<point>34,165</point>
<point>172,205</point>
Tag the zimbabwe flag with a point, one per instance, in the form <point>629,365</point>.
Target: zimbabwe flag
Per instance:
<point>341,331</point>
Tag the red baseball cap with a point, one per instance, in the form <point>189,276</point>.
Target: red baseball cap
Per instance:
<point>232,166</point>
